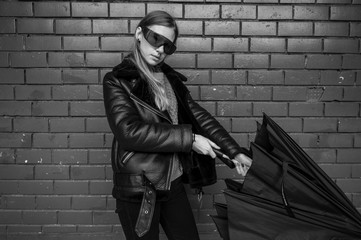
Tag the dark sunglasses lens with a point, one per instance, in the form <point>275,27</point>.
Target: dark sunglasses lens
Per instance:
<point>169,48</point>
<point>157,40</point>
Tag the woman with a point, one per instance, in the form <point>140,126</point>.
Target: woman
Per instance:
<point>158,131</point>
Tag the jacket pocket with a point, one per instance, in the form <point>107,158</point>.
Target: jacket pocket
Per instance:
<point>125,158</point>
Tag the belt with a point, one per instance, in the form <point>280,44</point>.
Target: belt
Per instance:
<point>147,208</point>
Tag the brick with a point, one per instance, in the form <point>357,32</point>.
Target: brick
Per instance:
<point>265,77</point>
<point>56,229</point>
<point>53,202</point>
<point>175,10</point>
<point>66,59</point>
<point>87,109</point>
<point>89,202</point>
<point>6,93</point>
<point>16,172</point>
<point>81,43</point>
<point>349,185</point>
<point>11,76</point>
<point>29,92</point>
<point>105,217</point>
<point>356,171</point>
<point>84,9</point>
<point>87,172</point>
<point>335,1</point>
<point>35,26</point>
<point>49,140</point>
<point>75,217</point>
<point>194,44</point>
<point>302,77</point>
<point>33,156</point>
<point>50,108</point>
<point>36,187</point>
<point>323,62</point>
<point>335,140</point>
<point>337,171</point>
<point>48,172</point>
<point>228,77</point>
<point>352,94</point>
<point>96,92</point>
<point>72,26</point>
<point>201,11</point>
<point>67,125</point>
<point>68,187</point>
<point>247,125</point>
<point>238,12</point>
<point>53,9</point>
<point>331,94</point>
<point>214,61</point>
<point>190,27</point>
<point>270,108</point>
<point>236,109</point>
<point>331,29</point>
<point>43,43</point>
<point>311,12</point>
<point>102,59</point>
<point>341,109</point>
<point>355,30</point>
<point>10,216</point>
<point>101,187</point>
<point>70,156</point>
<point>304,45</point>
<point>344,78</point>
<point>351,13</point>
<point>254,93</point>
<point>99,156</point>
<point>274,12</point>
<point>7,25</point>
<point>16,9</point>
<point>259,28</point>
<point>341,45</point>
<point>181,60</point>
<point>322,155</point>
<point>6,126</point>
<point>30,124</point>
<point>251,61</point>
<point>86,140</point>
<point>289,124</point>
<point>349,125</point>
<point>260,1</point>
<point>348,155</point>
<point>43,76</point>
<point>200,77</point>
<point>80,76</point>
<point>110,26</point>
<point>305,140</point>
<point>287,61</point>
<point>28,59</point>
<point>97,125</point>
<point>24,229</point>
<point>221,28</point>
<point>118,43</point>
<point>351,61</point>
<point>39,217</point>
<point>20,202</point>
<point>306,109</point>
<point>218,93</point>
<point>230,44</point>
<point>70,92</point>
<point>12,108</point>
<point>289,93</point>
<point>11,43</point>
<point>268,45</point>
<point>8,187</point>
<point>295,29</point>
<point>127,9</point>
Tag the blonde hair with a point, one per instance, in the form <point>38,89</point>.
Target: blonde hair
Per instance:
<point>156,85</point>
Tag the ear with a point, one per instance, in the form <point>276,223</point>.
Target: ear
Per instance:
<point>138,33</point>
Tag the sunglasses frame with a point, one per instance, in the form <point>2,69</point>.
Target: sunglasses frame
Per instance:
<point>169,46</point>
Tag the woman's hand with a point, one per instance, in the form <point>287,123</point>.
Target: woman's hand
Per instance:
<point>203,145</point>
<point>243,163</point>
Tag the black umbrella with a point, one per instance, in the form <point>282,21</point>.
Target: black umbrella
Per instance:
<point>286,195</point>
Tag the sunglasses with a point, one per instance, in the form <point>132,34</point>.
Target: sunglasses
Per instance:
<point>157,40</point>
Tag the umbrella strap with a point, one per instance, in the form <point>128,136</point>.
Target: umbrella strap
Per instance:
<point>284,196</point>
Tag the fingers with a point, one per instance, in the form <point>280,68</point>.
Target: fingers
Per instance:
<point>239,168</point>
<point>213,145</point>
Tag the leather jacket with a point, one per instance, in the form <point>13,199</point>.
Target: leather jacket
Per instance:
<point>145,140</point>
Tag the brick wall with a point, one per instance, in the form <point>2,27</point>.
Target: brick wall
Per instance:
<point>298,61</point>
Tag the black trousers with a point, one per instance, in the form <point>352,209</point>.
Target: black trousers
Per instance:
<point>173,212</point>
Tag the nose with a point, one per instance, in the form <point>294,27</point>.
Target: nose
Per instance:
<point>160,49</point>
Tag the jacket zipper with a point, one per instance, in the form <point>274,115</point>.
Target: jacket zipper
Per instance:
<point>126,157</point>
<point>153,110</point>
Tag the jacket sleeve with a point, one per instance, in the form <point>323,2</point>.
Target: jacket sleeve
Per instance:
<point>135,134</point>
<point>213,130</point>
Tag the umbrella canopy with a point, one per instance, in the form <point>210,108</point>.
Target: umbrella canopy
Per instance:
<point>286,195</point>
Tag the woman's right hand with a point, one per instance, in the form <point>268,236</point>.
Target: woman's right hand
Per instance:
<point>203,145</point>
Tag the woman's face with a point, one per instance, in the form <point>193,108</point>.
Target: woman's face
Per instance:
<point>154,55</point>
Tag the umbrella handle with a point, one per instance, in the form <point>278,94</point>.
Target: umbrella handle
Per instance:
<point>224,158</point>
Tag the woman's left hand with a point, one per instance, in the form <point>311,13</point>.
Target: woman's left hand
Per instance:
<point>243,163</point>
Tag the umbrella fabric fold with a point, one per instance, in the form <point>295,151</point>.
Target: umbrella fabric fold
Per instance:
<point>286,195</point>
